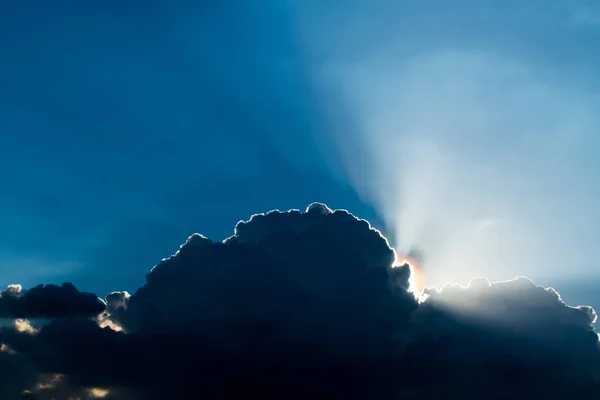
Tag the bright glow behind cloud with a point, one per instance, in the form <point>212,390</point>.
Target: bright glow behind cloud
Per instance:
<point>476,159</point>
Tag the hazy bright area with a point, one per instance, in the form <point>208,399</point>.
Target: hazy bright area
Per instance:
<point>472,129</point>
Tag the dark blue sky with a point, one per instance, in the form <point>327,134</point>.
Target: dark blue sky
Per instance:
<point>125,126</point>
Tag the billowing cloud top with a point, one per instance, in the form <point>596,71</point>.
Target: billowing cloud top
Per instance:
<point>301,305</point>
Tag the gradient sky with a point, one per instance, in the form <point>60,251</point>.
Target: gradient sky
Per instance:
<point>128,125</point>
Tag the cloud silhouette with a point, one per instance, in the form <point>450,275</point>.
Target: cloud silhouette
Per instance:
<point>48,301</point>
<point>509,338</point>
<point>304,304</point>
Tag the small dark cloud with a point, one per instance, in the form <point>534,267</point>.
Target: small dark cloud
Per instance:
<point>306,305</point>
<point>48,301</point>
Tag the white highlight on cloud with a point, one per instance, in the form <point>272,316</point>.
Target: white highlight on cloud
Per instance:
<point>98,393</point>
<point>25,326</point>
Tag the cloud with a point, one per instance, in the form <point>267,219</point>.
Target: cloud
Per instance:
<point>517,307</point>
<point>306,304</point>
<point>273,301</point>
<point>15,375</point>
<point>505,338</point>
<point>48,301</point>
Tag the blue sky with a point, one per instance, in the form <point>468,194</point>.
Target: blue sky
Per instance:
<point>127,126</point>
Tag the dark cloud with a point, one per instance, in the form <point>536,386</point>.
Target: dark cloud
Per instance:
<point>509,338</point>
<point>307,305</point>
<point>48,301</point>
<point>15,375</point>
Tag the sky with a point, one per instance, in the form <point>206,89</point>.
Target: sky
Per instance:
<point>465,129</point>
<point>146,123</point>
<point>144,146</point>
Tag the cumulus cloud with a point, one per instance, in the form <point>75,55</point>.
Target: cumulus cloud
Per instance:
<point>518,300</point>
<point>306,304</point>
<point>509,338</point>
<point>48,301</point>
